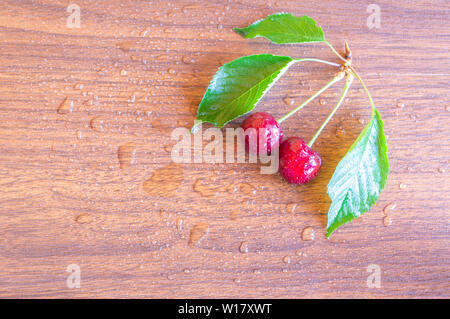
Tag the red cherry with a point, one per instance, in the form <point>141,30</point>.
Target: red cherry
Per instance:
<point>298,163</point>
<point>264,126</point>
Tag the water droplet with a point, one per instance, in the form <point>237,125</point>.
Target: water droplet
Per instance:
<point>179,224</point>
<point>157,123</point>
<point>237,280</point>
<point>203,189</point>
<point>256,271</point>
<point>340,131</point>
<point>243,248</point>
<point>299,253</point>
<point>388,208</point>
<point>308,233</point>
<point>441,170</point>
<point>402,185</point>
<point>287,259</point>
<point>291,207</point>
<point>387,221</point>
<point>288,100</point>
<point>322,102</point>
<point>247,189</point>
<point>126,155</point>
<point>447,108</point>
<point>361,120</point>
<point>400,105</point>
<point>168,148</point>
<point>66,106</point>
<point>144,32</point>
<point>79,135</point>
<point>97,124</point>
<point>171,14</point>
<point>171,71</point>
<point>84,219</point>
<point>182,123</point>
<point>78,86</point>
<point>125,46</point>
<point>164,181</point>
<point>123,72</point>
<point>188,60</point>
<point>198,233</point>
<point>187,271</point>
<point>232,188</point>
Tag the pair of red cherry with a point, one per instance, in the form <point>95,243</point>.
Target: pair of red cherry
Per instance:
<point>298,163</point>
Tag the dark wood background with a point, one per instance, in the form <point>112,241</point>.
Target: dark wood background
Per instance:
<point>145,227</point>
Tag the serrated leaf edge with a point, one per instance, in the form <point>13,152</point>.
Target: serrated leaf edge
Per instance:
<point>375,115</point>
<point>280,74</point>
<point>241,32</point>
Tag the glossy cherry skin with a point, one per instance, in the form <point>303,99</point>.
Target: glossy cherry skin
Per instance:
<point>298,163</point>
<point>266,127</point>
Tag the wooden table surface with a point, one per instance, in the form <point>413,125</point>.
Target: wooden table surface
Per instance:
<point>87,178</point>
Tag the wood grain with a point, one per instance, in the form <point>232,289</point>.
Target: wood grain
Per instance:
<point>134,71</point>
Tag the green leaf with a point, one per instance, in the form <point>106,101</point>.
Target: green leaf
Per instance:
<point>359,177</point>
<point>239,85</point>
<point>283,28</point>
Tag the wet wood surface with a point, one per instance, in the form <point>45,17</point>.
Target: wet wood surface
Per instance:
<point>87,178</point>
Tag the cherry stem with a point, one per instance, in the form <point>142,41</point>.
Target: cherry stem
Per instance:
<point>335,52</point>
<point>337,78</point>
<point>348,83</point>
<point>318,60</point>
<point>353,71</point>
